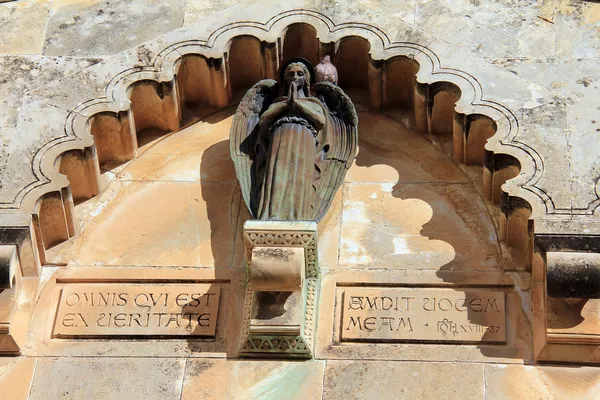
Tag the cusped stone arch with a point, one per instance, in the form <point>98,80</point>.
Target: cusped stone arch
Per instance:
<point>144,97</point>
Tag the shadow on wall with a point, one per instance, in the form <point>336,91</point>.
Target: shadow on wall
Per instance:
<point>226,216</point>
<point>449,212</point>
<point>440,211</point>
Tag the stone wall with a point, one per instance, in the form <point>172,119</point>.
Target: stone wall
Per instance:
<point>475,173</point>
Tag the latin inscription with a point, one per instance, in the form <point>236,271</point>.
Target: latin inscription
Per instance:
<point>411,314</point>
<point>132,309</point>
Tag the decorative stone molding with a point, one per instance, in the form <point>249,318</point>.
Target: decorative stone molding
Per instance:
<point>306,240</point>
<point>283,340</point>
<point>145,87</point>
<point>159,61</point>
<point>573,275</point>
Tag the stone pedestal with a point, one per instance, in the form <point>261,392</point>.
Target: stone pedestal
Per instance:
<point>280,300</point>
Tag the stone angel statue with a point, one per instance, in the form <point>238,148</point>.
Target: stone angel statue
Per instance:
<point>291,152</point>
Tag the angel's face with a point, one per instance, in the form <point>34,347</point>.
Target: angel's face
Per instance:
<point>295,73</point>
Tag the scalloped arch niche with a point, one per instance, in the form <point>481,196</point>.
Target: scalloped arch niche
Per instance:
<point>197,85</point>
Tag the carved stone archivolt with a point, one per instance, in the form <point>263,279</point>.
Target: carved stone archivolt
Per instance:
<point>100,122</point>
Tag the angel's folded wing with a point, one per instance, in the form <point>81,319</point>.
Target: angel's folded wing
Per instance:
<point>340,145</point>
<point>244,131</point>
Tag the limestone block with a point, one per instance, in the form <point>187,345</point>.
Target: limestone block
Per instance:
<point>15,377</point>
<point>15,311</point>
<point>375,314</point>
<point>156,280</point>
<point>22,26</point>
<point>92,81</point>
<point>82,29</point>
<point>196,10</point>
<point>18,230</point>
<point>389,152</point>
<point>284,234</point>
<point>198,152</point>
<point>376,379</point>
<point>334,316</point>
<point>108,378</point>
<point>417,226</point>
<point>576,27</point>
<point>230,379</point>
<point>19,73</point>
<point>329,232</point>
<point>546,130</point>
<point>520,93</point>
<point>39,123</point>
<point>498,30</point>
<point>280,312</point>
<point>192,224</point>
<point>287,267</point>
<point>574,320</point>
<point>527,382</point>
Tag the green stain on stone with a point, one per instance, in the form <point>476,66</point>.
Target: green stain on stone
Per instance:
<point>284,382</point>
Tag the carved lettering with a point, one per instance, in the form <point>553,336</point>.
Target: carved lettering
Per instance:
<point>146,310</point>
<point>425,314</point>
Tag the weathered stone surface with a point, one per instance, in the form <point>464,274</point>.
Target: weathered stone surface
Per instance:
<point>107,378</point>
<point>441,315</point>
<point>502,29</point>
<point>230,379</point>
<point>402,380</point>
<point>551,45</point>
<point>15,377</point>
<point>577,25</point>
<point>39,123</point>
<point>574,82</point>
<point>573,275</point>
<point>535,127</point>
<point>85,30</point>
<point>328,233</point>
<point>526,382</point>
<point>197,153</point>
<point>277,268</point>
<point>22,26</point>
<point>194,225</point>
<point>389,152</point>
<point>195,10</point>
<point>416,226</point>
<point>574,316</point>
<point>137,310</point>
<point>21,73</point>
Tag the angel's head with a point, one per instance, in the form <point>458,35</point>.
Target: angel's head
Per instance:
<point>300,71</point>
<point>297,72</point>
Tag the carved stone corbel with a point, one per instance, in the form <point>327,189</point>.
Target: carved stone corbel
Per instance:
<point>281,292</point>
<point>573,275</point>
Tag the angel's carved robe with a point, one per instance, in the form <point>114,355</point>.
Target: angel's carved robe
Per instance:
<point>291,155</point>
<point>288,157</point>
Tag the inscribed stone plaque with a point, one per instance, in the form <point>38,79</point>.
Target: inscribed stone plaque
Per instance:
<point>423,314</point>
<point>135,309</point>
